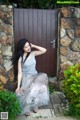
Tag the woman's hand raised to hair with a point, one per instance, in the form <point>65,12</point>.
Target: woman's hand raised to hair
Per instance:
<point>39,51</point>
<point>32,45</point>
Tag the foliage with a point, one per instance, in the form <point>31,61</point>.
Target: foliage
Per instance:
<point>42,4</point>
<point>9,103</point>
<point>71,88</point>
<point>51,89</point>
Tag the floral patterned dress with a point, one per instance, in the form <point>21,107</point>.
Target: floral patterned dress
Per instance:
<point>34,90</point>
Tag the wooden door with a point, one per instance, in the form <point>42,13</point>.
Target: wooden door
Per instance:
<point>39,27</point>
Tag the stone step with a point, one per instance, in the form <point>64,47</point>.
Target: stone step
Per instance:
<point>42,113</point>
<point>53,81</point>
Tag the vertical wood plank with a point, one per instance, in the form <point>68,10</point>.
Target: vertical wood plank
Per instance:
<point>40,28</point>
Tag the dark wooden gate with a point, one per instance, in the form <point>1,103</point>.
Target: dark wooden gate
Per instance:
<point>40,28</point>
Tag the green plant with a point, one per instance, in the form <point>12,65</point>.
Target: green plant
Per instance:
<point>41,4</point>
<point>51,89</point>
<point>9,103</point>
<point>71,88</point>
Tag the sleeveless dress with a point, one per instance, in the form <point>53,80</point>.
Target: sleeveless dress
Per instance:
<point>34,90</point>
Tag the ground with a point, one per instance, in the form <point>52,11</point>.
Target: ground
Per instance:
<point>44,114</point>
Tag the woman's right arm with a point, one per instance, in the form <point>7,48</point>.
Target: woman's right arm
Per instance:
<point>19,76</point>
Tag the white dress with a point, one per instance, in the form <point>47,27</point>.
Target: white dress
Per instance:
<point>34,90</point>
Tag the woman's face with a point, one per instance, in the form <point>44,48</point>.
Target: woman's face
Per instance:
<point>27,47</point>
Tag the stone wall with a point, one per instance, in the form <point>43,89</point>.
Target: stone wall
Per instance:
<point>69,38</point>
<point>69,48</point>
<point>6,45</point>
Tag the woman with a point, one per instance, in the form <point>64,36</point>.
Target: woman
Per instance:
<point>32,89</point>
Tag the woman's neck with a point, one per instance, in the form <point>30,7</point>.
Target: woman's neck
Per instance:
<point>25,53</point>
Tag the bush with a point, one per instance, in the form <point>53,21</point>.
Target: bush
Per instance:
<point>71,88</point>
<point>51,89</point>
<point>9,103</point>
<point>42,4</point>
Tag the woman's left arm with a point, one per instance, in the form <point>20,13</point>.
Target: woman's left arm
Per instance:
<point>39,51</point>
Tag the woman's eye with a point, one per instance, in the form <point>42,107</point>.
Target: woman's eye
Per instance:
<point>26,47</point>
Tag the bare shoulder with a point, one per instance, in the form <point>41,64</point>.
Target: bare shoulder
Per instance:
<point>20,59</point>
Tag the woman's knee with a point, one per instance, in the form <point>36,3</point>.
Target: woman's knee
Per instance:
<point>45,75</point>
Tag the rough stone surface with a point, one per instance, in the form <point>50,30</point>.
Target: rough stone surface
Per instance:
<point>0,59</point>
<point>65,41</point>
<point>65,65</point>
<point>7,50</point>
<point>58,100</point>
<point>66,23</point>
<point>3,79</point>
<point>2,69</point>
<point>66,12</point>
<point>1,14</point>
<point>63,32</point>
<point>70,34</point>
<point>7,79</point>
<point>78,21</point>
<point>63,58</point>
<point>0,45</point>
<point>7,64</point>
<point>63,50</point>
<point>3,26</point>
<point>9,30</point>
<point>11,86</point>
<point>61,75</point>
<point>0,52</point>
<point>73,55</point>
<point>3,38</point>
<point>58,97</point>
<point>69,38</point>
<point>11,74</point>
<point>77,13</point>
<point>77,31</point>
<point>6,45</point>
<point>9,40</point>
<point>75,46</point>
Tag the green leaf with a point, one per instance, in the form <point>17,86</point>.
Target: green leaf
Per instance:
<point>71,88</point>
<point>9,102</point>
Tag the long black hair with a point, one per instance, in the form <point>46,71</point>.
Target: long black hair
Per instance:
<point>20,50</point>
<point>19,53</point>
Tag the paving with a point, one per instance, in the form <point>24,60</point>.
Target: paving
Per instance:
<point>52,111</point>
<point>44,114</point>
<point>49,112</point>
